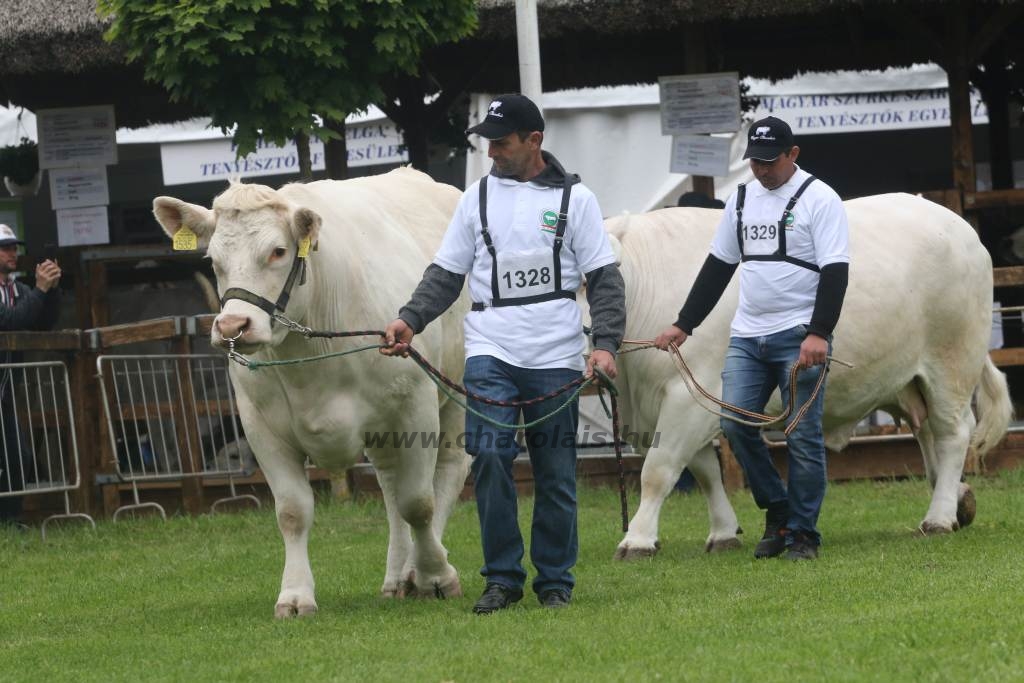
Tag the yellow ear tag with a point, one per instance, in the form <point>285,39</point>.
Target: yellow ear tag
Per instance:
<point>303,247</point>
<point>185,239</point>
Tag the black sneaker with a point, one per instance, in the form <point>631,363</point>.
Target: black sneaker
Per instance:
<point>773,543</point>
<point>554,598</point>
<point>496,597</point>
<point>802,547</point>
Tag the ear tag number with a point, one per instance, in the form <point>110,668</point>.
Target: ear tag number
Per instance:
<point>185,239</point>
<point>304,247</point>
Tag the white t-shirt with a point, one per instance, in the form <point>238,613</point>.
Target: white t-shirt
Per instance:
<point>520,216</point>
<point>778,295</point>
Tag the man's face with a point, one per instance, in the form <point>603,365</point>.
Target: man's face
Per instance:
<point>511,155</point>
<point>8,259</point>
<point>774,173</point>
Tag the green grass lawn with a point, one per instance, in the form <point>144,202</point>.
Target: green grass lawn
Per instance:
<point>191,599</point>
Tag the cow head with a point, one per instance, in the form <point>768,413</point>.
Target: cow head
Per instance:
<point>252,236</point>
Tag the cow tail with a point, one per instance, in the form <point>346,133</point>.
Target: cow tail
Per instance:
<point>994,409</point>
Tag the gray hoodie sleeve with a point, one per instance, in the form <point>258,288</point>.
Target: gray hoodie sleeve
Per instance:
<point>606,293</point>
<point>438,290</point>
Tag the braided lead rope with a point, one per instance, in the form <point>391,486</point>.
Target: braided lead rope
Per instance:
<point>701,396</point>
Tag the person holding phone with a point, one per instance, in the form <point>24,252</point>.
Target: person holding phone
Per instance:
<point>21,308</point>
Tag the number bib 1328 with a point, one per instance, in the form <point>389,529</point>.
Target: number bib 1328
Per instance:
<point>525,273</point>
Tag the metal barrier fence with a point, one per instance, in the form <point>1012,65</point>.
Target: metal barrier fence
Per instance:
<point>40,451</point>
<point>170,417</point>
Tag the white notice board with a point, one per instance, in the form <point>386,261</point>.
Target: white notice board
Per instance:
<point>76,136</point>
<point>77,187</point>
<point>700,155</point>
<point>700,103</point>
<point>87,225</point>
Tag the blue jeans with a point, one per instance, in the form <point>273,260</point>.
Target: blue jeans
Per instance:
<point>552,447</point>
<point>754,367</point>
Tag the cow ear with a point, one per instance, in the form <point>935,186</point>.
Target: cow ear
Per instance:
<point>173,213</point>
<point>307,224</point>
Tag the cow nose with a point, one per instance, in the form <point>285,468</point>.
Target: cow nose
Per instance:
<point>231,326</point>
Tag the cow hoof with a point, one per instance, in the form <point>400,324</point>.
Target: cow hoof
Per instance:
<point>440,591</point>
<point>406,588</point>
<point>934,529</point>
<point>966,507</point>
<point>290,610</point>
<point>722,545</point>
<point>628,553</point>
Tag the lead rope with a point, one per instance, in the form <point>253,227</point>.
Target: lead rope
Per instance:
<point>701,396</point>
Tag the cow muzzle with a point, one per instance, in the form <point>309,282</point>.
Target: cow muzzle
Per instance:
<point>234,329</point>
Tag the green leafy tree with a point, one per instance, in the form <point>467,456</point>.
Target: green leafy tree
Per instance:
<point>269,68</point>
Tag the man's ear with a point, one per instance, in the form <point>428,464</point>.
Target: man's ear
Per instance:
<point>173,213</point>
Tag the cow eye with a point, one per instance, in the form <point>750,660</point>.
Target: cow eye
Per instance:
<point>280,252</point>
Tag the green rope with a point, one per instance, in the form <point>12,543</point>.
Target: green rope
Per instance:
<point>453,396</point>
<point>257,364</point>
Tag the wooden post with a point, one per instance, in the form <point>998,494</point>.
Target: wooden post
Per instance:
<point>958,71</point>
<point>696,56</point>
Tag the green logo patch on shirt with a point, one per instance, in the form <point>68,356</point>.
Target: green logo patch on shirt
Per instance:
<point>549,221</point>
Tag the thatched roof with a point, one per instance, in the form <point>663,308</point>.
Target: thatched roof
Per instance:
<point>52,52</point>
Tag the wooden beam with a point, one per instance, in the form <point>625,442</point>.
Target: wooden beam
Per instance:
<point>993,199</point>
<point>1007,357</point>
<point>993,29</point>
<point>56,340</point>
<point>1008,276</point>
<point>130,333</point>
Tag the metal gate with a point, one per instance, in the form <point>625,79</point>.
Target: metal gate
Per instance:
<point>37,430</point>
<point>170,417</point>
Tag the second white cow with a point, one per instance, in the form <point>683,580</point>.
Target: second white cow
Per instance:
<point>369,240</point>
<point>916,325</point>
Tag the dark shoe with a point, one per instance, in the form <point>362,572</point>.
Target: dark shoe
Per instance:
<point>802,547</point>
<point>496,597</point>
<point>554,599</point>
<point>773,543</point>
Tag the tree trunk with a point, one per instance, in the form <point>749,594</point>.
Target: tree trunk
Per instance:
<point>302,149</point>
<point>994,87</point>
<point>336,151</point>
<point>418,147</point>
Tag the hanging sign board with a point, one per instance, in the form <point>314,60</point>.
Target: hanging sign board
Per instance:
<point>76,187</point>
<point>87,225</point>
<point>76,136</point>
<point>700,103</point>
<point>700,155</point>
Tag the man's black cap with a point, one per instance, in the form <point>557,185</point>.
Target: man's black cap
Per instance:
<point>508,114</point>
<point>768,138</point>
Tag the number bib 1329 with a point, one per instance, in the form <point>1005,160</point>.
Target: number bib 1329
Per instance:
<point>525,273</point>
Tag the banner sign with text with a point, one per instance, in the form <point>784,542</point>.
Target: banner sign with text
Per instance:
<point>859,112</point>
<point>215,160</point>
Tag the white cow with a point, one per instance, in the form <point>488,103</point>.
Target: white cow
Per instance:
<point>375,237</point>
<point>916,325</point>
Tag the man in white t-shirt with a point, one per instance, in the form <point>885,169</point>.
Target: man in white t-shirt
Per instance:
<point>790,233</point>
<point>526,235</point>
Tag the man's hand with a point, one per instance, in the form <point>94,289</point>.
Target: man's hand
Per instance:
<point>397,337</point>
<point>671,335</point>
<point>813,351</point>
<point>47,275</point>
<point>604,361</point>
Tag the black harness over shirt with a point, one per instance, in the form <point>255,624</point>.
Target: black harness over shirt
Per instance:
<point>780,253</point>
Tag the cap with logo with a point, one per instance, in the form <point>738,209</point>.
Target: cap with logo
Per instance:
<point>768,138</point>
<point>7,236</point>
<point>508,114</point>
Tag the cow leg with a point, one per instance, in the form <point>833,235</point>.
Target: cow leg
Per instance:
<point>293,502</point>
<point>452,466</point>
<point>950,451</point>
<point>681,424</point>
<point>724,525</point>
<point>396,580</point>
